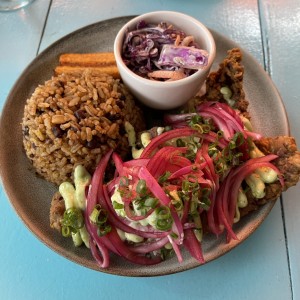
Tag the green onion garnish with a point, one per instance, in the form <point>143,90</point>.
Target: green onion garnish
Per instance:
<point>66,231</point>
<point>164,177</point>
<point>117,205</point>
<point>151,202</point>
<point>180,143</point>
<point>98,215</point>
<point>166,253</point>
<point>164,219</point>
<point>72,221</point>
<point>103,230</point>
<point>141,187</point>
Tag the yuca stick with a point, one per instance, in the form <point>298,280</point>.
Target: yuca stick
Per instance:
<point>95,71</point>
<point>87,59</point>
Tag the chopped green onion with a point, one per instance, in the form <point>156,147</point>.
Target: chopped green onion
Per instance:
<point>164,177</point>
<point>164,219</point>
<point>188,186</point>
<point>73,218</point>
<point>205,203</point>
<point>238,139</point>
<point>198,233</point>
<point>180,143</point>
<point>220,134</point>
<point>141,187</point>
<point>174,235</point>
<point>206,128</point>
<point>166,253</point>
<point>231,144</point>
<point>177,204</point>
<point>194,205</point>
<point>164,225</point>
<point>72,221</point>
<point>139,203</point>
<point>220,165</point>
<point>205,192</point>
<point>196,119</point>
<point>103,230</point>
<point>117,205</point>
<point>163,212</point>
<point>98,216</point>
<point>66,231</point>
<point>198,127</point>
<point>167,128</point>
<point>151,202</point>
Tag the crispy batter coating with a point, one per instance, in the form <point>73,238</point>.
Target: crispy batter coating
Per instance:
<point>229,74</point>
<point>57,209</point>
<point>288,164</point>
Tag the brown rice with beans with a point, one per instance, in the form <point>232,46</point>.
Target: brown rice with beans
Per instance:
<point>74,119</point>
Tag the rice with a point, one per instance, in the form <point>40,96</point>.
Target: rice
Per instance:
<point>76,119</point>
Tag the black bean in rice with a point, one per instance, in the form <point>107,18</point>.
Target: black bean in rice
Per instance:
<point>74,119</point>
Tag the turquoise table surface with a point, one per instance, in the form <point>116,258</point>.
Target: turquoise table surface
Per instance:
<point>266,265</point>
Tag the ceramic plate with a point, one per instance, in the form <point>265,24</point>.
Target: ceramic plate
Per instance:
<point>31,196</point>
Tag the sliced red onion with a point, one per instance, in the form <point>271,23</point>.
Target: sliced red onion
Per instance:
<point>127,253</point>
<point>124,224</point>
<point>225,118</point>
<point>148,247</point>
<point>177,133</point>
<point>186,170</point>
<point>176,249</point>
<point>133,217</point>
<point>159,193</point>
<point>228,193</point>
<point>154,186</point>
<point>167,159</point>
<point>101,254</point>
<point>193,245</point>
<point>178,119</point>
<point>156,160</point>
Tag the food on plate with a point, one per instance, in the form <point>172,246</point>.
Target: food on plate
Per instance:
<point>74,120</point>
<point>162,52</point>
<point>98,59</point>
<point>226,84</point>
<point>197,174</point>
<point>96,63</point>
<point>288,163</point>
<point>95,71</point>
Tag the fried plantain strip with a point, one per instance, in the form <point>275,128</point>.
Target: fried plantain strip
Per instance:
<point>96,63</point>
<point>95,71</point>
<point>87,59</point>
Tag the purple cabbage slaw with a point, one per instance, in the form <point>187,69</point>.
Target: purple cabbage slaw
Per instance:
<point>151,48</point>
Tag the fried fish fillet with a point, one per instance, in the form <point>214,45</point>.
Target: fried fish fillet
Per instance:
<point>230,74</point>
<point>288,163</point>
<point>57,209</point>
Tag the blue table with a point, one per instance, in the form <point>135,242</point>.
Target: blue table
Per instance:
<point>266,265</point>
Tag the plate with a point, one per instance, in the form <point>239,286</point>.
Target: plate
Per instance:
<point>31,196</point>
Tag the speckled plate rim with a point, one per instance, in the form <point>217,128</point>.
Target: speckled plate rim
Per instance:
<point>24,189</point>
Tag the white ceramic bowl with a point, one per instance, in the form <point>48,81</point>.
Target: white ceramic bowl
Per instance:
<point>168,94</point>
